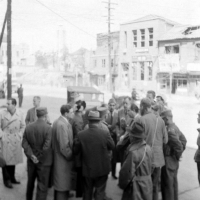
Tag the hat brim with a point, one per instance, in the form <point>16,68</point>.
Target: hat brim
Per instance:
<point>94,118</point>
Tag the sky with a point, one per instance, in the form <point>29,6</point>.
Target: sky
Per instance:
<point>36,22</point>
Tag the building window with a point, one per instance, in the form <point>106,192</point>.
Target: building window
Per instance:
<point>104,63</point>
<point>112,62</point>
<point>135,38</point>
<point>142,31</point>
<point>125,39</point>
<point>142,70</point>
<point>142,44</point>
<point>172,49</point>
<point>150,37</point>
<point>150,68</point>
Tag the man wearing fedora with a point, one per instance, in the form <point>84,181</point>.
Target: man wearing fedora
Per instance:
<point>37,147</point>
<point>135,174</point>
<point>172,152</point>
<point>94,144</point>
<point>111,120</point>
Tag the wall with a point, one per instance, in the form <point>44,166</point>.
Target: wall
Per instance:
<point>130,53</point>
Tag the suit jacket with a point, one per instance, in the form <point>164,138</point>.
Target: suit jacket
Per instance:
<point>112,121</point>
<point>31,116</point>
<point>62,141</point>
<point>94,144</point>
<point>37,141</point>
<point>129,117</point>
<point>155,140</point>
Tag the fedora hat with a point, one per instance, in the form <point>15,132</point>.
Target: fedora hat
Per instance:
<point>94,116</point>
<point>137,130</point>
<point>102,111</point>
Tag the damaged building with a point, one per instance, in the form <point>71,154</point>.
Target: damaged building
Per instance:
<point>179,56</point>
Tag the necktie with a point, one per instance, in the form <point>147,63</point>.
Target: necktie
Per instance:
<point>111,117</point>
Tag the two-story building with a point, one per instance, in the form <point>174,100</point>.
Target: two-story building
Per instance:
<point>99,61</point>
<point>179,57</point>
<point>138,54</point>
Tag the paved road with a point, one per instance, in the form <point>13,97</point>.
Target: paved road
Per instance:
<point>185,113</point>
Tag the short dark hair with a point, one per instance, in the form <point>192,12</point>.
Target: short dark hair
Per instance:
<point>80,103</point>
<point>37,97</point>
<point>14,101</point>
<point>134,108</point>
<point>151,92</point>
<point>65,109</point>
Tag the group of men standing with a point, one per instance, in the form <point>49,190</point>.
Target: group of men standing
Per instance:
<point>87,144</point>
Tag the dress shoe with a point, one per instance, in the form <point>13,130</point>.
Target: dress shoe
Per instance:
<point>15,181</point>
<point>8,184</point>
<point>114,177</point>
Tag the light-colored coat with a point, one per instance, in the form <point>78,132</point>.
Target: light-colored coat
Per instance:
<point>62,141</point>
<point>11,132</point>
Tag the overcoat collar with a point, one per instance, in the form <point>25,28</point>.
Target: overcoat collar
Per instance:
<point>136,146</point>
<point>8,116</point>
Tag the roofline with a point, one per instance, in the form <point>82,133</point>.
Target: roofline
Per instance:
<point>142,20</point>
<point>162,40</point>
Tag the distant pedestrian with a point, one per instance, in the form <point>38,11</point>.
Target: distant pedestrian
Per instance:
<point>135,174</point>
<point>37,147</point>
<point>62,143</point>
<point>20,92</point>
<point>172,152</point>
<point>95,159</point>
<point>11,131</point>
<point>197,154</point>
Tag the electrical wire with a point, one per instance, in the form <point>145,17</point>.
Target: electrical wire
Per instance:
<point>65,19</point>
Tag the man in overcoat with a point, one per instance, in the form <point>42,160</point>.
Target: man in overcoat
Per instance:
<point>37,147</point>
<point>172,152</point>
<point>155,136</point>
<point>135,174</point>
<point>111,120</point>
<point>62,143</point>
<point>11,131</point>
<point>94,144</point>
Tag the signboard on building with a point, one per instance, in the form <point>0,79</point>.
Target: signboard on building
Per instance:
<point>169,62</point>
<point>141,50</point>
<point>193,67</point>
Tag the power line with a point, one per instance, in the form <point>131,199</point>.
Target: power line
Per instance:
<point>64,19</point>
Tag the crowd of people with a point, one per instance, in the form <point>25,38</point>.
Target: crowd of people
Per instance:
<point>82,147</point>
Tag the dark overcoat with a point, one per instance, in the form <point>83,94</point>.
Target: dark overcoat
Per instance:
<point>37,141</point>
<point>137,179</point>
<point>94,144</point>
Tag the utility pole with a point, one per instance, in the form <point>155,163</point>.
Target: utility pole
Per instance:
<point>3,28</point>
<point>9,51</point>
<point>109,51</point>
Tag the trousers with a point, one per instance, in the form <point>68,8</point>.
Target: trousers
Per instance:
<point>99,183</point>
<point>8,173</point>
<point>20,101</point>
<point>169,184</point>
<point>198,169</point>
<point>58,195</point>
<point>42,174</point>
<point>155,180</point>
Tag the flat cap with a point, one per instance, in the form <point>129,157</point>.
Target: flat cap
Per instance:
<point>146,102</point>
<point>166,113</point>
<point>112,101</point>
<point>41,111</point>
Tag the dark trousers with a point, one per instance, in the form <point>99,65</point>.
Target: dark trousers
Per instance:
<point>20,101</point>
<point>58,195</point>
<point>198,168</point>
<point>42,173</point>
<point>8,173</point>
<point>98,183</point>
<point>169,184</point>
<point>114,156</point>
<point>155,180</point>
